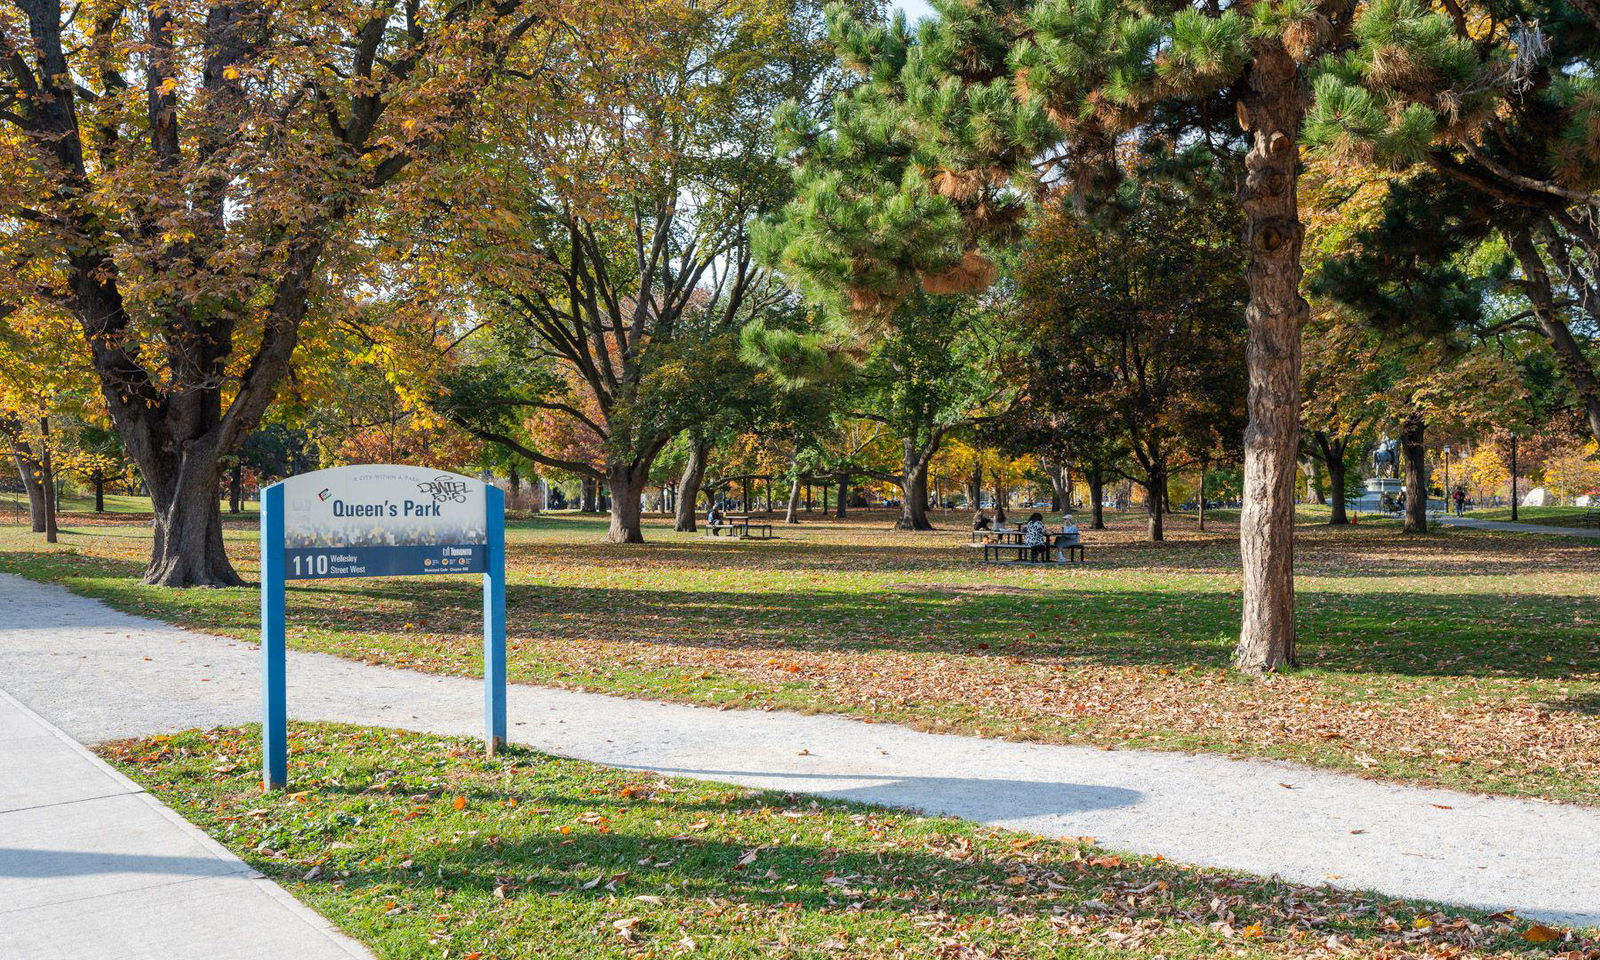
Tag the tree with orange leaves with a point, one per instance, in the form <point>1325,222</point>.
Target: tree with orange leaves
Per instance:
<point>184,170</point>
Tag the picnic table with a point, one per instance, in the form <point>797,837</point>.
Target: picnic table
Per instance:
<point>998,535</point>
<point>997,543</point>
<point>739,525</point>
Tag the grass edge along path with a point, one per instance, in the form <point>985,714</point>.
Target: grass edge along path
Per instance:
<point>420,847</point>
<point>1485,683</point>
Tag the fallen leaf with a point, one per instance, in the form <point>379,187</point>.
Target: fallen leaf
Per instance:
<point>1539,933</point>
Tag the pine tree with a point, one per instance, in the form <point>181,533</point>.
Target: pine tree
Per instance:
<point>998,101</point>
<point>1492,114</point>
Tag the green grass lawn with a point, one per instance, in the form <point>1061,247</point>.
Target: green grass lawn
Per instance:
<point>1463,658</point>
<point>1543,516</point>
<point>421,848</point>
<point>81,503</point>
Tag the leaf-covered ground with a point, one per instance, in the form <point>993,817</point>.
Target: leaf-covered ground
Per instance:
<point>1463,658</point>
<point>420,847</point>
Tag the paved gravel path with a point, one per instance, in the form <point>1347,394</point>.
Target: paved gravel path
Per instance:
<point>100,674</point>
<point>1475,524</point>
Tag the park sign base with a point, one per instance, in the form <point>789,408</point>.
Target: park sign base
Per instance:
<point>382,520</point>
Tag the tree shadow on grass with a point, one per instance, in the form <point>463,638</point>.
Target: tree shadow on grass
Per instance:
<point>940,877</point>
<point>1075,616</point>
<point>1587,704</point>
<point>1412,634</point>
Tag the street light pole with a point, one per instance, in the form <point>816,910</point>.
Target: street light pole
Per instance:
<point>1513,475</point>
<point>1447,479</point>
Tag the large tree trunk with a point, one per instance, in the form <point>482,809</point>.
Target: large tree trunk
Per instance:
<point>1097,494</point>
<point>99,481</point>
<point>236,488</point>
<point>1571,358</point>
<point>1414,454</point>
<point>975,485</point>
<point>1313,489</point>
<point>47,480</point>
<point>694,472</point>
<point>28,468</point>
<point>589,501</point>
<point>627,490</point>
<point>914,486</point>
<point>999,498</point>
<point>792,513</point>
<point>1202,497</point>
<point>1333,458</point>
<point>1059,495</point>
<point>1513,476</point>
<point>1271,113</point>
<point>844,497</point>
<point>187,548</point>
<point>1155,506</point>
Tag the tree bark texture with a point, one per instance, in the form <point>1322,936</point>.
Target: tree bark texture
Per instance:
<point>1571,358</point>
<point>28,468</point>
<point>1097,494</point>
<point>1313,474</point>
<point>844,497</point>
<point>47,481</point>
<point>694,472</point>
<point>236,488</point>
<point>1271,113</point>
<point>627,490</point>
<point>188,548</point>
<point>1413,452</point>
<point>99,481</point>
<point>1155,507</point>
<point>1332,452</point>
<point>791,513</point>
<point>914,464</point>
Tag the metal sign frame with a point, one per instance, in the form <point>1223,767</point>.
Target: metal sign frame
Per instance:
<point>274,686</point>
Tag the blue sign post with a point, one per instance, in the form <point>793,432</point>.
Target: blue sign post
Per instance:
<point>375,521</point>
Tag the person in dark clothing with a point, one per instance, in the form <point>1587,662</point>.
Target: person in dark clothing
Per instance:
<point>1035,535</point>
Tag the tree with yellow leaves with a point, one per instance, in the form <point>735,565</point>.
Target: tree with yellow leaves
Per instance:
<point>185,170</point>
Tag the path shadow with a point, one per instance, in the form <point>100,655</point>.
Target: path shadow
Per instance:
<point>49,864</point>
<point>974,798</point>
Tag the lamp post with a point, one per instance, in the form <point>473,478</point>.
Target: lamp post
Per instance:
<point>1513,475</point>
<point>1447,478</point>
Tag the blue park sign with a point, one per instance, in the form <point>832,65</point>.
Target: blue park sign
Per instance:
<point>381,520</point>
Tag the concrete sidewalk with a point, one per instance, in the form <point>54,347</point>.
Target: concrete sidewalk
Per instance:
<point>92,866</point>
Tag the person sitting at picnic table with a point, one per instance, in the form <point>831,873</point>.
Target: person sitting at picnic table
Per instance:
<point>1068,535</point>
<point>980,521</point>
<point>714,517</point>
<point>1034,535</point>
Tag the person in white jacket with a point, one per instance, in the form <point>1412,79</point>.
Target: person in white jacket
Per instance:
<point>1069,534</point>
